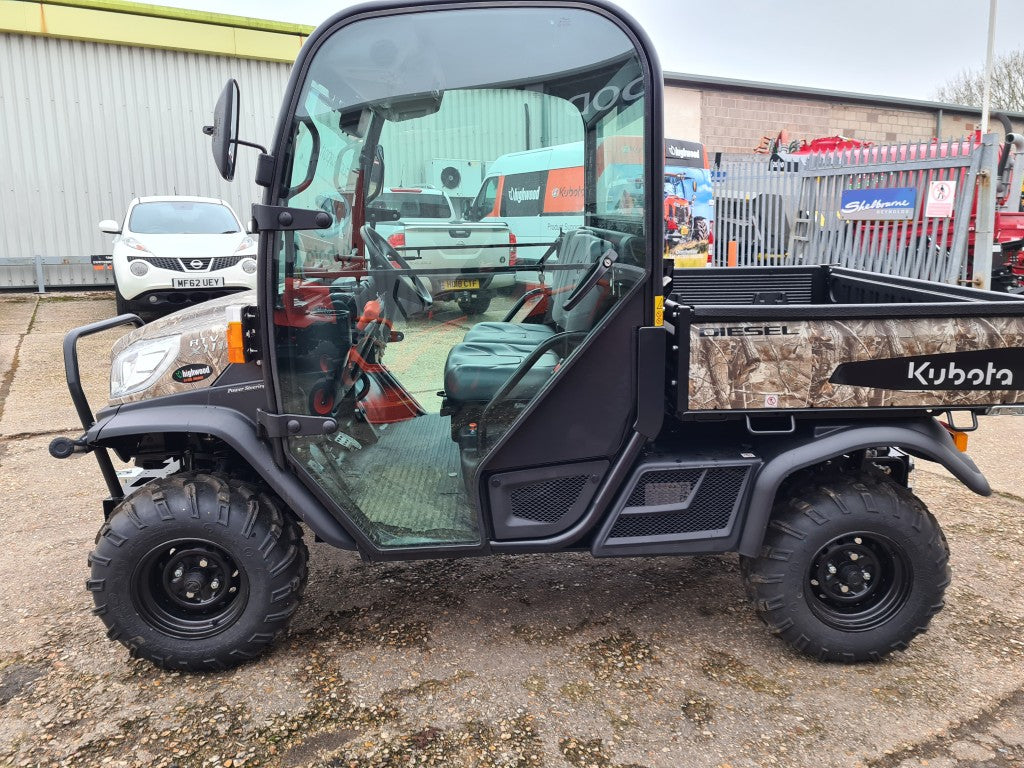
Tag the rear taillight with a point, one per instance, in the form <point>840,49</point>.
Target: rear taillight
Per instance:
<point>513,256</point>
<point>397,240</point>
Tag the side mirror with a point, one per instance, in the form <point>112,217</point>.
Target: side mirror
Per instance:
<point>224,130</point>
<point>110,227</point>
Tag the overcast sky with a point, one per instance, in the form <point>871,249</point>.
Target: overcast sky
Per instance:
<point>891,47</point>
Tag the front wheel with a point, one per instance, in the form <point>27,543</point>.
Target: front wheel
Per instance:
<point>851,569</point>
<point>196,572</point>
<point>121,304</point>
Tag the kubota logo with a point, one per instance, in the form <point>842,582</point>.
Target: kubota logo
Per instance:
<point>567,192</point>
<point>953,375</point>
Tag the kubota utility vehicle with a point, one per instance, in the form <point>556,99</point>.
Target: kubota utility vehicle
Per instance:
<point>771,412</point>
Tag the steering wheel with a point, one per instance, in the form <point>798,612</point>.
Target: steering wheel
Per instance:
<point>590,279</point>
<point>382,255</point>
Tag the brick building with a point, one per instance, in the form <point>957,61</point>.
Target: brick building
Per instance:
<point>732,116</point>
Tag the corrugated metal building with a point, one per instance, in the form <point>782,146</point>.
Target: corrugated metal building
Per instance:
<point>91,118</point>
<point>103,102</point>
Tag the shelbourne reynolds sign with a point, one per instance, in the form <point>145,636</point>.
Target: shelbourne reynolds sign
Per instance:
<point>878,204</point>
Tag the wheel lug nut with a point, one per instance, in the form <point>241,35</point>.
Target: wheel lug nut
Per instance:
<point>844,589</point>
<point>831,568</point>
<point>203,563</point>
<point>179,572</point>
<point>814,582</point>
<point>858,540</point>
<point>854,556</point>
<point>190,595</point>
<point>214,584</point>
<point>866,575</point>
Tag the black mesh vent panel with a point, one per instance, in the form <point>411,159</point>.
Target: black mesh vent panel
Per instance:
<point>710,510</point>
<point>673,486</point>
<point>547,501</point>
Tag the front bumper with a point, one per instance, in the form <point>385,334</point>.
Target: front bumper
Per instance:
<point>160,282</point>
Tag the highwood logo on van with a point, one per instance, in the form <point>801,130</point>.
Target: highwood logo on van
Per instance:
<point>748,330</point>
<point>519,194</point>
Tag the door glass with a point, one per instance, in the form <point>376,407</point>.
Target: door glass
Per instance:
<point>393,320</point>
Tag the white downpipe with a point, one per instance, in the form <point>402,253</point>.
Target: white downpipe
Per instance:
<point>986,97</point>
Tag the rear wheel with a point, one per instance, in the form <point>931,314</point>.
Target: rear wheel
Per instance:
<point>476,306</point>
<point>197,572</point>
<point>851,569</point>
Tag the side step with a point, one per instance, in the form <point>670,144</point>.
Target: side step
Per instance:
<point>678,507</point>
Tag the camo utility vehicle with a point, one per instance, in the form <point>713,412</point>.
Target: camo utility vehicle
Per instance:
<point>616,410</point>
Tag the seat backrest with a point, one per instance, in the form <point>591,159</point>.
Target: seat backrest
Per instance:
<point>581,248</point>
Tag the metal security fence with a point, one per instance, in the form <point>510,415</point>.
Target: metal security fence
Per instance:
<point>818,211</point>
<point>931,244</point>
<point>755,208</point>
<point>42,272</point>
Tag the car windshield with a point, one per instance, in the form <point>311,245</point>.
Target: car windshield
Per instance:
<point>415,204</point>
<point>182,218</point>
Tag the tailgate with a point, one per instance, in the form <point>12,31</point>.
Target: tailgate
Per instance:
<point>457,245</point>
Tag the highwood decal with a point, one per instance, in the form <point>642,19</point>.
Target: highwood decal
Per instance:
<point>979,369</point>
<point>189,374</point>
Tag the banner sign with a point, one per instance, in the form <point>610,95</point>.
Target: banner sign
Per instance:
<point>878,204</point>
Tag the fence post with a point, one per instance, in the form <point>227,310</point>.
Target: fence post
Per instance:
<point>40,281</point>
<point>733,253</point>
<point>985,223</point>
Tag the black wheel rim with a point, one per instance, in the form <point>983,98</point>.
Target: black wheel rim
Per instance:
<point>858,581</point>
<point>189,589</point>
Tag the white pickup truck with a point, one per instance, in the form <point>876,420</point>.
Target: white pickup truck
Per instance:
<point>463,261</point>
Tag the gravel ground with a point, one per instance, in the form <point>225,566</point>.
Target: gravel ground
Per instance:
<point>557,660</point>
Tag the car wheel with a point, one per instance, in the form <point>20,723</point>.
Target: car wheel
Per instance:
<point>197,572</point>
<point>851,568</point>
<point>122,304</point>
<point>476,306</point>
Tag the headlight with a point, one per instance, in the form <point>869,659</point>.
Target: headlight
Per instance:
<point>138,267</point>
<point>131,242</point>
<point>139,365</point>
<point>249,266</point>
<point>247,242</point>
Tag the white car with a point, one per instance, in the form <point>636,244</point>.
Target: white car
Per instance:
<point>175,251</point>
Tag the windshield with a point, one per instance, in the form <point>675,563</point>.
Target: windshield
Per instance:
<point>415,204</point>
<point>182,218</point>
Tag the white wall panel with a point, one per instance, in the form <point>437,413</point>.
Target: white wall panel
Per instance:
<point>86,127</point>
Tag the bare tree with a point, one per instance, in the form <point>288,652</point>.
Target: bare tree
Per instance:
<point>1007,84</point>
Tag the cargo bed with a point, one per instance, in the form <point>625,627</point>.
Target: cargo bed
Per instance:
<point>808,339</point>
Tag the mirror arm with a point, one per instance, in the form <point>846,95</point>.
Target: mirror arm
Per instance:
<point>260,147</point>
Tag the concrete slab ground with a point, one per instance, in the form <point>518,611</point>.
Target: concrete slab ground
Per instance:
<point>563,661</point>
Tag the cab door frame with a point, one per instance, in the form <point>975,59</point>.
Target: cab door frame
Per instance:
<point>616,335</point>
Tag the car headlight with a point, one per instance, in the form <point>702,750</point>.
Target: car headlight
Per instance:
<point>131,242</point>
<point>247,242</point>
<point>139,365</point>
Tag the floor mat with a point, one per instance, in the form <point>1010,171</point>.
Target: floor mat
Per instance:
<point>409,485</point>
